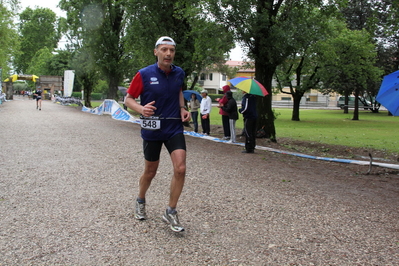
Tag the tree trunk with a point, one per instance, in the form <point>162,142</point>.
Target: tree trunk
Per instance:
<point>264,74</point>
<point>195,80</point>
<point>297,103</point>
<point>9,91</point>
<point>356,111</point>
<point>113,88</point>
<point>87,96</point>
<point>346,107</point>
<point>88,85</point>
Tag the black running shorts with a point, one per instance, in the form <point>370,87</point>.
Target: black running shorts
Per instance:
<point>152,149</point>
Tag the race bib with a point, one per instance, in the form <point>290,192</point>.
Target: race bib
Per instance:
<point>150,123</point>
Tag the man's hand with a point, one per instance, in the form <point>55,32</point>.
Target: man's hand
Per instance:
<point>185,115</point>
<point>148,109</point>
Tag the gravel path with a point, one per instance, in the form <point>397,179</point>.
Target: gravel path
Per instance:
<point>68,181</point>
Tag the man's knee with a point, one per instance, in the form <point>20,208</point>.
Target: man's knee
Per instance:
<point>180,169</point>
<point>151,168</point>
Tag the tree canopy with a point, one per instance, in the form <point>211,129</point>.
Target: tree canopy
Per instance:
<point>9,38</point>
<point>38,28</point>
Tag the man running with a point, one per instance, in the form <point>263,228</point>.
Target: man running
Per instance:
<point>162,115</point>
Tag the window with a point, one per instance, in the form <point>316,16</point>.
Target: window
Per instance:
<point>224,77</point>
<point>210,76</point>
<point>203,76</point>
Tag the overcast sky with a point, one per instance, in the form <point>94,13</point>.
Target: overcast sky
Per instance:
<point>235,55</point>
<point>42,3</point>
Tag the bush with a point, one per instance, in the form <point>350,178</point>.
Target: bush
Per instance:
<point>236,95</point>
<point>97,96</point>
<point>94,96</point>
<point>215,96</point>
<point>77,94</point>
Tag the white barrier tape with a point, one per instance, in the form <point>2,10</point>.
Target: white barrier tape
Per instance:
<point>112,108</point>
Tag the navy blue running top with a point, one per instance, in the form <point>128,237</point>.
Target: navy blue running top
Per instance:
<point>153,84</point>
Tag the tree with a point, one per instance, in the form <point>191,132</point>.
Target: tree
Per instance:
<point>99,27</point>
<point>113,33</point>
<point>52,64</point>
<point>9,38</point>
<point>381,20</point>
<point>348,66</point>
<point>86,72</point>
<point>299,71</point>
<point>267,28</point>
<point>38,29</point>
<point>59,62</point>
<point>201,43</point>
<point>40,62</point>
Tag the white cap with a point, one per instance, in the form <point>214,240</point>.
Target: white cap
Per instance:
<point>165,40</point>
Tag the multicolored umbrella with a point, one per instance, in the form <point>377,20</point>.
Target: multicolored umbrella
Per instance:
<point>388,95</point>
<point>249,85</point>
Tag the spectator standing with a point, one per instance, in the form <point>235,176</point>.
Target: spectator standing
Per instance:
<point>205,110</point>
<point>231,109</point>
<point>225,115</point>
<point>248,110</point>
<point>194,104</point>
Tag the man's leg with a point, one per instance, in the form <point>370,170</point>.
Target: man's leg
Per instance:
<point>177,150</point>
<point>144,183</point>
<point>208,125</point>
<point>194,116</point>
<point>179,173</point>
<point>151,156</point>
<point>232,130</point>
<point>150,170</point>
<point>226,126</point>
<point>176,186</point>
<point>251,132</point>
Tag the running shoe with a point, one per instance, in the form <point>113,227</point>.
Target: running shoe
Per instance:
<point>173,221</point>
<point>139,213</point>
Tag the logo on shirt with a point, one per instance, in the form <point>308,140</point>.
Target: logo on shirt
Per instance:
<point>154,80</point>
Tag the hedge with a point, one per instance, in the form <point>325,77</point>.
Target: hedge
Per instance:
<point>94,96</point>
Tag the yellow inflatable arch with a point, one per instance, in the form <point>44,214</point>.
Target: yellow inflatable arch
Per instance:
<point>16,77</point>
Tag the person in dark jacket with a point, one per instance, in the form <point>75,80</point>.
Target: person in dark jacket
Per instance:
<point>248,110</point>
<point>231,109</point>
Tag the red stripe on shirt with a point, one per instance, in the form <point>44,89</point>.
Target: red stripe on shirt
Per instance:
<point>136,86</point>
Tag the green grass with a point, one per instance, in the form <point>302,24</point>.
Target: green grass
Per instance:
<point>377,131</point>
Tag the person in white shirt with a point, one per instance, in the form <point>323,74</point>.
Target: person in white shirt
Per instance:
<point>205,109</point>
